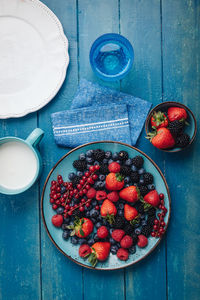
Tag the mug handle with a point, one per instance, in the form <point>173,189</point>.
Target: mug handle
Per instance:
<point>35,137</point>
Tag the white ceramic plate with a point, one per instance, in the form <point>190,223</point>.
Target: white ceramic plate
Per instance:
<point>33,56</point>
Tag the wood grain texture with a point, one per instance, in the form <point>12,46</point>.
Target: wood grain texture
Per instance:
<point>181,78</point>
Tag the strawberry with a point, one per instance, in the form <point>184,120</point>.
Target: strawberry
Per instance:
<point>122,254</point>
<point>176,113</point>
<point>130,193</point>
<point>118,234</point>
<point>142,241</point>
<point>114,167</point>
<point>159,120</point>
<point>81,228</point>
<point>84,250</point>
<point>130,213</point>
<point>114,181</point>
<point>100,252</point>
<point>102,232</point>
<point>57,220</point>
<point>152,198</point>
<point>101,195</point>
<point>113,196</point>
<point>162,138</point>
<point>91,193</point>
<point>126,242</point>
<point>108,210</point>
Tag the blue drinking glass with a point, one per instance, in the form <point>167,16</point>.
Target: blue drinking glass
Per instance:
<point>111,56</point>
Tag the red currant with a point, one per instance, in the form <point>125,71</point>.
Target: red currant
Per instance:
<point>81,208</point>
<point>57,202</point>
<point>97,167</point>
<point>70,212</point>
<point>67,207</point>
<point>63,204</point>
<point>79,186</point>
<point>162,202</point>
<point>51,200</point>
<point>97,207</point>
<point>89,180</point>
<point>87,186</point>
<point>87,204</point>
<point>81,193</point>
<point>82,182</point>
<point>155,227</point>
<point>76,205</point>
<point>55,196</point>
<point>84,191</point>
<point>94,177</point>
<point>59,177</point>
<point>156,221</point>
<point>75,191</point>
<point>71,193</point>
<point>160,206</point>
<point>60,181</point>
<point>53,182</point>
<point>58,189</point>
<point>153,234</point>
<point>84,178</point>
<point>58,195</point>
<point>87,174</point>
<point>62,200</point>
<point>92,168</point>
<point>161,196</point>
<point>68,201</point>
<point>54,206</point>
<point>162,223</point>
<point>76,196</point>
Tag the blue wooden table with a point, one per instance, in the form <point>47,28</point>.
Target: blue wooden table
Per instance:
<point>165,37</point>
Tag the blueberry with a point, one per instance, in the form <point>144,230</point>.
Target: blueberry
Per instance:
<point>118,245</point>
<point>105,161</point>
<point>71,176</point>
<point>133,168</point>
<point>111,230</point>
<point>144,222</point>
<point>132,250</point>
<point>142,217</point>
<point>108,154</point>
<point>99,218</point>
<point>127,179</point>
<point>66,221</point>
<point>65,234</point>
<point>74,240</point>
<point>100,184</point>
<point>151,187</point>
<point>82,241</point>
<point>64,226</point>
<point>137,225</point>
<point>119,162</point>
<point>63,189</point>
<point>96,163</point>
<point>120,213</point>
<point>93,220</point>
<point>96,238</point>
<point>94,202</point>
<point>98,224</point>
<point>90,242</point>
<point>115,156</point>
<point>102,177</point>
<point>112,241</point>
<point>89,153</point>
<point>137,231</point>
<point>94,213</point>
<point>104,222</point>
<point>72,203</point>
<point>110,161</point>
<point>128,162</point>
<point>90,160</point>
<point>126,185</point>
<point>141,181</point>
<point>113,249</point>
<point>141,171</point>
<point>82,156</point>
<point>79,174</point>
<point>87,214</point>
<point>121,206</point>
<point>60,210</point>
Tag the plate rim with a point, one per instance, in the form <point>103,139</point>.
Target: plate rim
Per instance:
<point>64,67</point>
<point>42,207</point>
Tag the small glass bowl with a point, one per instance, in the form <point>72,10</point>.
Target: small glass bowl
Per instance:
<point>111,56</point>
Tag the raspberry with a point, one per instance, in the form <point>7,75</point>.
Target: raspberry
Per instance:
<point>102,232</point>
<point>142,241</point>
<point>113,196</point>
<point>84,250</point>
<point>91,193</point>
<point>118,234</point>
<point>57,220</point>
<point>101,195</point>
<point>126,241</point>
<point>114,167</point>
<point>122,254</point>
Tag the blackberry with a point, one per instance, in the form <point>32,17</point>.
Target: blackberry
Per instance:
<point>150,220</point>
<point>176,127</point>
<point>75,181</point>
<point>134,177</point>
<point>123,155</point>
<point>146,230</point>
<point>135,238</point>
<point>98,154</point>
<point>80,165</point>
<point>183,140</point>
<point>119,222</point>
<point>143,190</point>
<point>151,212</point>
<point>77,213</point>
<point>128,228</point>
<point>140,208</point>
<point>125,170</point>
<point>138,161</point>
<point>148,178</point>
<point>103,169</point>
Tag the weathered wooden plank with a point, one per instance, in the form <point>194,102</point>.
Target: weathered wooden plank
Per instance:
<point>140,23</point>
<point>19,230</point>
<point>61,278</point>
<point>97,18</point>
<point>181,77</point>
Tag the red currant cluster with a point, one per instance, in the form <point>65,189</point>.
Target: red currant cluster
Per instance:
<point>63,192</point>
<point>159,224</point>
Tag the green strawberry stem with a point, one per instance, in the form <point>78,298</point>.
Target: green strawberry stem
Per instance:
<point>136,220</point>
<point>119,177</point>
<point>151,135</point>
<point>110,218</point>
<point>92,258</point>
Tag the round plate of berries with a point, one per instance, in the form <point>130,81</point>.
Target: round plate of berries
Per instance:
<point>105,205</point>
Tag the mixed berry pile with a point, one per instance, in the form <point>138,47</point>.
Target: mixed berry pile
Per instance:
<point>108,205</point>
<point>168,128</point>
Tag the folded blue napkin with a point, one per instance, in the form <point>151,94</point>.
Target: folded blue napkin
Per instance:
<point>75,127</point>
<point>95,106</point>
